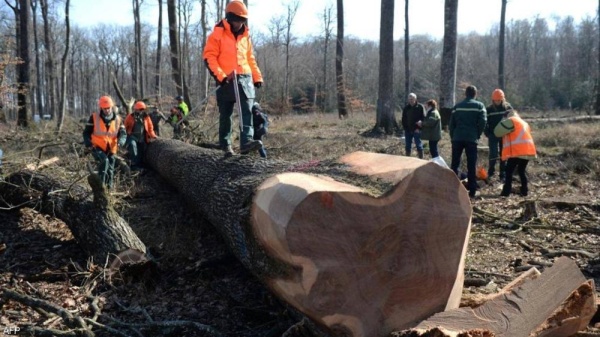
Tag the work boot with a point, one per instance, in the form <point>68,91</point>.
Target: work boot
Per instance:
<point>420,154</point>
<point>407,153</point>
<point>252,145</point>
<point>228,151</point>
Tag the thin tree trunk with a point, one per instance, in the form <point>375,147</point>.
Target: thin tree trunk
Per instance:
<point>598,62</point>
<point>23,68</point>
<point>49,49</point>
<point>174,45</point>
<point>138,69</point>
<point>158,51</point>
<point>448,70</point>
<point>385,99</point>
<point>407,88</point>
<point>339,62</point>
<point>38,68</point>
<point>63,72</point>
<point>501,46</point>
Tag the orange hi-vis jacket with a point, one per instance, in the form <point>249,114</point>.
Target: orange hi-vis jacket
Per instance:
<point>518,143</point>
<point>224,53</point>
<point>148,127</point>
<point>103,138</point>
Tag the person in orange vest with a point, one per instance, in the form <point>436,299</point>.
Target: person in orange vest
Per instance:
<point>517,149</point>
<point>140,132</point>
<point>229,48</point>
<point>103,135</point>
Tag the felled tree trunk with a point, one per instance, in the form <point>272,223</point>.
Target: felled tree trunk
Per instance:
<point>96,226</point>
<point>363,245</point>
<point>558,303</point>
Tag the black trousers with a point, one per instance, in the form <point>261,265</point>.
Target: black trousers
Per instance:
<point>520,165</point>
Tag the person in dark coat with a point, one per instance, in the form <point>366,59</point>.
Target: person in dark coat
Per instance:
<point>412,114</point>
<point>466,125</point>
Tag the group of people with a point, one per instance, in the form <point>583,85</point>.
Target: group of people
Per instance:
<point>509,136</point>
<point>229,56</point>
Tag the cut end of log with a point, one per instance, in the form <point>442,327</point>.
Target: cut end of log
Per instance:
<point>367,265</point>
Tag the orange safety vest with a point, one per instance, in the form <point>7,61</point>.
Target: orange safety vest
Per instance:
<point>519,142</point>
<point>148,127</point>
<point>224,53</point>
<point>105,139</point>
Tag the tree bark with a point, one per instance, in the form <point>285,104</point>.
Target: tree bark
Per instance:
<point>448,70</point>
<point>62,110</point>
<point>23,68</point>
<point>501,46</point>
<point>385,101</point>
<point>355,244</point>
<point>174,45</point>
<point>339,62</point>
<point>97,227</point>
<point>559,303</point>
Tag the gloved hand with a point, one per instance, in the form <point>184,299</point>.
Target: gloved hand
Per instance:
<point>257,85</point>
<point>88,150</point>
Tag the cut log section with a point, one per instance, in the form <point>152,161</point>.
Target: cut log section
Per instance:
<point>363,245</point>
<point>557,303</point>
<point>96,226</point>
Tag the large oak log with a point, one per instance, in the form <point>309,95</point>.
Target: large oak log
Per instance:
<point>96,226</point>
<point>362,245</point>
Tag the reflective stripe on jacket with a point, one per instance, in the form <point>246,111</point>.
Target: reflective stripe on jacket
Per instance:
<point>148,127</point>
<point>518,143</point>
<point>224,53</point>
<point>103,138</point>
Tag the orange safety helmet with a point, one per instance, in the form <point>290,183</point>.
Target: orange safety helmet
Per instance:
<point>498,95</point>
<point>105,102</point>
<point>238,8</point>
<point>139,105</point>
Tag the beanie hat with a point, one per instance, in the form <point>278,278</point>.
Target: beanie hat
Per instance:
<point>497,95</point>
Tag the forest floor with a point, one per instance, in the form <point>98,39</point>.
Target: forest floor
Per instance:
<point>202,290</point>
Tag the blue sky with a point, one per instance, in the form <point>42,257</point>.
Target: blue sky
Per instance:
<point>362,17</point>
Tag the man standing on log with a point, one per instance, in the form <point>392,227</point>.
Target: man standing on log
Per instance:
<point>229,49</point>
<point>102,136</point>
<point>467,123</point>
<point>140,132</point>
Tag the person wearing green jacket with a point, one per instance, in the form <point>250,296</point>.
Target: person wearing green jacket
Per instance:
<point>431,127</point>
<point>467,122</point>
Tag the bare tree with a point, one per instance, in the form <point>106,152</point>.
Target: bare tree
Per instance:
<point>63,72</point>
<point>598,62</point>
<point>339,61</point>
<point>38,70</point>
<point>174,45</point>
<point>292,9</point>
<point>406,50</point>
<point>501,46</point>
<point>50,74</point>
<point>204,25</point>
<point>327,33</point>
<point>24,19</point>
<point>385,99</point>
<point>157,66</point>
<point>448,71</point>
<point>138,67</point>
